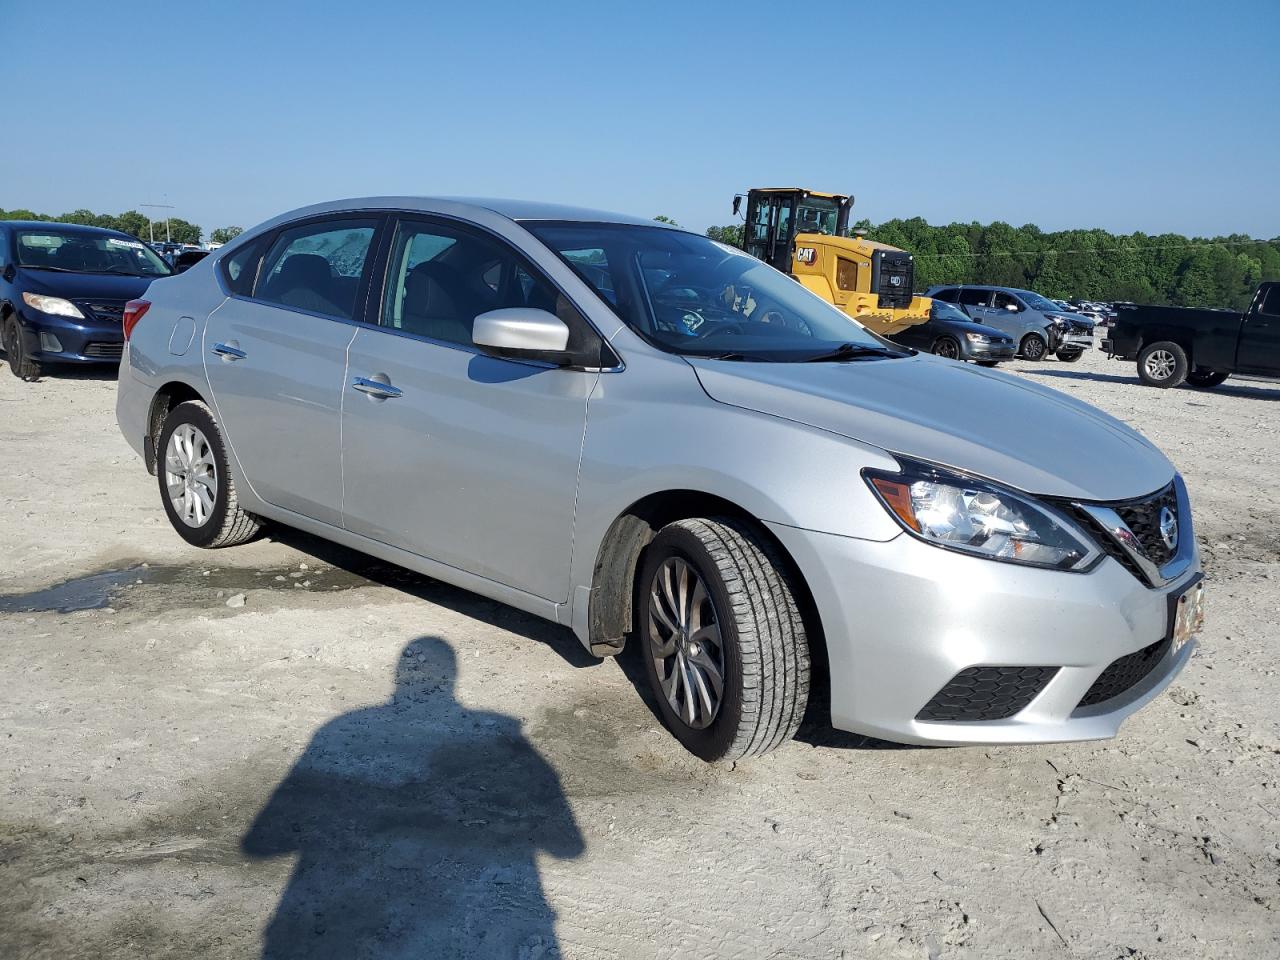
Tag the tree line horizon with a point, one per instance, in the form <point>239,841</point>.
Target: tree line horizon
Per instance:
<point>1086,264</point>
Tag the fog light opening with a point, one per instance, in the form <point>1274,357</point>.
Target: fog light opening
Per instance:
<point>49,343</point>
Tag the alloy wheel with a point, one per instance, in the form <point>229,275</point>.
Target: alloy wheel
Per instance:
<point>947,348</point>
<point>190,475</point>
<point>1160,364</point>
<point>685,643</point>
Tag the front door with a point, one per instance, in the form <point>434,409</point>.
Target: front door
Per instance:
<point>276,362</point>
<point>448,453</point>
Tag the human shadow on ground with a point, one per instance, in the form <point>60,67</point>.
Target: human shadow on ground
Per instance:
<point>416,824</point>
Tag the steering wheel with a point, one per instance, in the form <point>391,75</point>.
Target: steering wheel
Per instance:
<point>708,329</point>
<point>786,322</point>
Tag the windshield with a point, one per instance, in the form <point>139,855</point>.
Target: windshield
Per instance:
<point>945,311</point>
<point>690,295</point>
<point>75,252</point>
<point>1037,302</point>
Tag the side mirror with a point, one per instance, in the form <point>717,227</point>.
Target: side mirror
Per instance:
<point>10,271</point>
<point>737,204</point>
<point>523,333</point>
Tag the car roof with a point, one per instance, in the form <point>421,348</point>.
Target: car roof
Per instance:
<point>60,226</point>
<point>517,210</point>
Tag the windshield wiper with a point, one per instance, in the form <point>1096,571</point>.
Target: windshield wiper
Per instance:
<point>851,351</point>
<point>43,266</point>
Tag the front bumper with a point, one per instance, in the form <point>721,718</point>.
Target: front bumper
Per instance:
<point>988,351</point>
<point>1076,341</point>
<point>81,340</point>
<point>903,618</point>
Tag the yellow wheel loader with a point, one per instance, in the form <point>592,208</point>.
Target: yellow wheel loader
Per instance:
<point>805,234</point>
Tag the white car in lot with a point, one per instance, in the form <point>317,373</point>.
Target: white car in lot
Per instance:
<point>657,440</point>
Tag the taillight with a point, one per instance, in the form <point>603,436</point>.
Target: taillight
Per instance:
<point>133,311</point>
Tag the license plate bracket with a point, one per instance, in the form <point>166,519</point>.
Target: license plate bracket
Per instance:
<point>1186,614</point>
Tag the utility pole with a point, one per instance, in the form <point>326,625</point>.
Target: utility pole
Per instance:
<point>151,226</point>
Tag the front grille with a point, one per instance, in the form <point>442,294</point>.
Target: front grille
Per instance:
<point>1143,518</point>
<point>106,309</point>
<point>1125,673</point>
<point>987,693</point>
<point>1107,542</point>
<point>104,351</point>
<point>892,273</point>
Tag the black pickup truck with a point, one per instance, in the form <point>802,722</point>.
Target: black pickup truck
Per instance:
<point>1200,347</point>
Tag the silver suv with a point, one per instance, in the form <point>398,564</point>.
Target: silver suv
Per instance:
<point>659,441</point>
<point>1038,325</point>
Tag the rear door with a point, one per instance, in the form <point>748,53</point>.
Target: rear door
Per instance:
<point>1260,334</point>
<point>451,454</point>
<point>276,361</point>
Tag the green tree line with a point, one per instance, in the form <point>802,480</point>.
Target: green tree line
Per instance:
<point>131,222</point>
<point>1165,268</point>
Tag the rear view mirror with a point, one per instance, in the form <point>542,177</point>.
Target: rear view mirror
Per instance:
<point>522,333</point>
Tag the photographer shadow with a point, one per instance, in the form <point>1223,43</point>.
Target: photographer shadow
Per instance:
<point>416,824</point>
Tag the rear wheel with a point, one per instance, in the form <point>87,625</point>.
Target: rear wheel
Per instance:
<point>15,349</point>
<point>1162,364</point>
<point>1206,379</point>
<point>986,363</point>
<point>1033,347</point>
<point>723,642</point>
<point>1070,356</point>
<point>195,482</point>
<point>947,347</point>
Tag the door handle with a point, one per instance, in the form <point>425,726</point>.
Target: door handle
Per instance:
<point>378,389</point>
<point>229,352</point>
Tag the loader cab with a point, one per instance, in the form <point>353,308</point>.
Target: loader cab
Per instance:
<point>776,215</point>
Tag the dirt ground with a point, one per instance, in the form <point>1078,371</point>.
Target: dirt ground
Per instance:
<point>288,750</point>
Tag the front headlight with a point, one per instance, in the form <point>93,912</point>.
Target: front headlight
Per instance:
<point>978,517</point>
<point>977,338</point>
<point>54,306</point>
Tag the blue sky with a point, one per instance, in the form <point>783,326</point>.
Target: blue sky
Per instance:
<point>1125,115</point>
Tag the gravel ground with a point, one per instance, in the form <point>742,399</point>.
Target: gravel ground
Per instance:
<point>286,749</point>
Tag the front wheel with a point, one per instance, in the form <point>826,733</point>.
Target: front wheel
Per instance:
<point>1033,347</point>
<point>15,349</point>
<point>1206,379</point>
<point>986,363</point>
<point>947,347</point>
<point>1162,364</point>
<point>195,481</point>
<point>723,642</point>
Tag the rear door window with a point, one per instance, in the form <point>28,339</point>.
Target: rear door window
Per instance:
<point>318,267</point>
<point>948,295</point>
<point>975,298</point>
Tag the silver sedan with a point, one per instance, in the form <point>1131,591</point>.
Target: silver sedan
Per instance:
<point>662,443</point>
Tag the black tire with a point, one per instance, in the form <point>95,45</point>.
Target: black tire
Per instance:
<point>1070,356</point>
<point>762,637</point>
<point>225,524</point>
<point>947,347</point>
<point>1205,379</point>
<point>986,363</point>
<point>15,351</point>
<point>1033,347</point>
<point>1162,364</point>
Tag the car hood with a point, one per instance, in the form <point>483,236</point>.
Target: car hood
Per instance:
<point>85,286</point>
<point>988,423</point>
<point>970,326</point>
